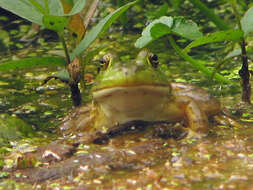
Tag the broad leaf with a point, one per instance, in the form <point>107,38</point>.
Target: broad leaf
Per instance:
<point>72,7</point>
<point>32,62</point>
<point>35,11</point>
<point>103,25</point>
<point>78,6</point>
<point>31,12</point>
<point>69,2</point>
<point>186,28</point>
<point>166,25</point>
<point>62,75</point>
<point>230,35</point>
<point>56,23</point>
<point>159,30</point>
<point>234,53</point>
<point>76,26</point>
<point>55,8</point>
<point>23,8</point>
<point>67,6</point>
<point>48,7</point>
<point>247,22</point>
<point>147,37</point>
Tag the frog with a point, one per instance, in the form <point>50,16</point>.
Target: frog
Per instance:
<point>139,91</point>
<point>126,96</point>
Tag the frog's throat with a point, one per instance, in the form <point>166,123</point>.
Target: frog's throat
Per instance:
<point>123,104</point>
<point>140,90</point>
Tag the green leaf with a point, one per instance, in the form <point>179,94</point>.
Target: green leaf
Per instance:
<point>32,10</point>
<point>55,8</point>
<point>32,62</point>
<point>230,35</point>
<point>96,31</point>
<point>159,30</point>
<point>143,41</point>
<point>46,7</point>
<point>69,2</point>
<point>166,25</point>
<point>186,28</point>
<point>146,33</point>
<point>56,23</point>
<point>234,53</point>
<point>63,75</point>
<point>38,6</point>
<point>24,9</point>
<point>78,6</point>
<point>247,22</point>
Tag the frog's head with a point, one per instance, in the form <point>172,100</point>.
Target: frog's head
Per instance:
<point>142,71</point>
<point>125,91</point>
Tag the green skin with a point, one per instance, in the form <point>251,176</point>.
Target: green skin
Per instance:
<point>126,92</point>
<point>140,72</point>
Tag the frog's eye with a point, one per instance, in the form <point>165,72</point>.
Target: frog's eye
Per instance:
<point>105,62</point>
<point>153,60</point>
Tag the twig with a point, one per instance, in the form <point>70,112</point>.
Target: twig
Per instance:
<point>90,13</point>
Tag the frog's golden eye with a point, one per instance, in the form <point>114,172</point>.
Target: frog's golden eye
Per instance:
<point>153,60</point>
<point>105,62</point>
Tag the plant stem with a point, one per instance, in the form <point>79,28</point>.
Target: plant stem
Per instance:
<point>195,63</point>
<point>245,75</point>
<point>73,84</point>
<point>65,48</point>
<point>244,71</point>
<point>90,12</point>
<point>75,94</point>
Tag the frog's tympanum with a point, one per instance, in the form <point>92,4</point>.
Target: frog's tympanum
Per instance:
<point>140,91</point>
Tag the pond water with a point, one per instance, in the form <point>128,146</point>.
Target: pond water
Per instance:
<point>133,160</point>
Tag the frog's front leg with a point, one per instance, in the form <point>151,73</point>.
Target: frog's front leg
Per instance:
<point>196,117</point>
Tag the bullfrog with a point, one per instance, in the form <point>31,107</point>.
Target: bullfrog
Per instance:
<point>140,91</point>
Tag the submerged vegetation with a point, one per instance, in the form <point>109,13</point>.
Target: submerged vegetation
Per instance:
<point>66,39</point>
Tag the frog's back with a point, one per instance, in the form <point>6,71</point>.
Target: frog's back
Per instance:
<point>209,104</point>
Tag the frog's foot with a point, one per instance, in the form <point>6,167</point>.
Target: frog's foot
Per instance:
<point>191,134</point>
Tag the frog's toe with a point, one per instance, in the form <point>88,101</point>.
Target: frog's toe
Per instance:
<point>195,135</point>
